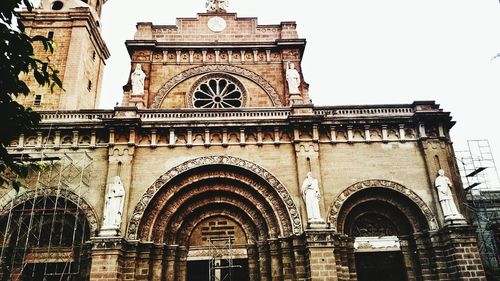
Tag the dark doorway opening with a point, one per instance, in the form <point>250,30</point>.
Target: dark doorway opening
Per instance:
<point>198,270</point>
<point>377,266</point>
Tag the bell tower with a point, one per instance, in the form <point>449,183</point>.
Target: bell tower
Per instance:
<point>79,53</point>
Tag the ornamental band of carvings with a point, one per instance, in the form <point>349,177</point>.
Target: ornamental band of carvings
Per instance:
<point>158,217</point>
<point>66,194</point>
<point>248,209</point>
<point>348,192</point>
<point>174,81</point>
<point>293,213</point>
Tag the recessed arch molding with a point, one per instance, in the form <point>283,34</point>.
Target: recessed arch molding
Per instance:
<point>281,194</point>
<point>231,69</point>
<point>336,206</point>
<point>66,194</point>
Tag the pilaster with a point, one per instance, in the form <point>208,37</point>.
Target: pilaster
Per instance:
<point>320,244</point>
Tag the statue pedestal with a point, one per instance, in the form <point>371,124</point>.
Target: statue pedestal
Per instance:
<point>295,99</point>
<point>320,243</point>
<point>109,232</point>
<point>137,101</point>
<point>455,220</point>
<point>317,224</point>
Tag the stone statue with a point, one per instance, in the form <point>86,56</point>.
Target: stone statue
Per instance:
<point>443,186</point>
<point>113,208</point>
<point>217,5</point>
<point>293,79</point>
<point>138,77</point>
<point>311,195</point>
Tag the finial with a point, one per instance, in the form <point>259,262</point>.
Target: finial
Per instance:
<point>217,6</point>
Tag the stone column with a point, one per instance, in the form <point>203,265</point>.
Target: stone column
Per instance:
<point>344,257</point>
<point>320,245</point>
<point>409,263</point>
<point>299,256</point>
<point>129,264</point>
<point>181,264</point>
<point>107,259</point>
<point>142,261</point>
<point>276,260</point>
<point>253,262</point>
<point>287,259</point>
<point>156,266</point>
<point>169,257</point>
<point>430,257</point>
<point>264,261</point>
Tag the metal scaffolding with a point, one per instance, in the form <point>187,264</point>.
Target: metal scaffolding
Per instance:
<point>220,265</point>
<point>481,181</point>
<point>43,231</point>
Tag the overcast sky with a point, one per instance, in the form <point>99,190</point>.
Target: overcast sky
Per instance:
<point>362,52</point>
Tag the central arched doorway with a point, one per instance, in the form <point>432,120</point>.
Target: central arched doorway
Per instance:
<point>217,249</point>
<point>219,216</point>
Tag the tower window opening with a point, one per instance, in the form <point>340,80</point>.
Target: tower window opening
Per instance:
<point>94,55</point>
<point>50,35</point>
<point>57,5</point>
<point>89,85</point>
<point>38,100</point>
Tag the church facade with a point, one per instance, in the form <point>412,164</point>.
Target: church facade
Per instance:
<point>218,166</point>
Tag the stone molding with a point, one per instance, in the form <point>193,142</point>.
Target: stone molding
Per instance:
<point>136,217</point>
<point>176,80</point>
<point>79,201</point>
<point>337,204</point>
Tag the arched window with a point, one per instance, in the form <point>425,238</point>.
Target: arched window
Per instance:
<point>44,239</point>
<point>218,91</point>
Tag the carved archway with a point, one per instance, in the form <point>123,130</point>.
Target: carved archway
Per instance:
<point>174,81</point>
<point>272,200</point>
<point>342,198</point>
<point>69,195</point>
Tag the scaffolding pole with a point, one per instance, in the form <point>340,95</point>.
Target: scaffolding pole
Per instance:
<point>43,231</point>
<point>477,168</point>
<point>220,265</point>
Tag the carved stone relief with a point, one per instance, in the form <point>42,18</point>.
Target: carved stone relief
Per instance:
<point>292,211</point>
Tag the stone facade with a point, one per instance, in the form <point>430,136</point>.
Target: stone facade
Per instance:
<point>192,174</point>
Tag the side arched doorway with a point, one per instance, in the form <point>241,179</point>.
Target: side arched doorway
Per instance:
<point>219,216</point>
<point>384,220</point>
<point>44,236</point>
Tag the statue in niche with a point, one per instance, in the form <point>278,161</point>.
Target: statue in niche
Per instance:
<point>443,186</point>
<point>138,77</point>
<point>311,195</point>
<point>113,208</point>
<point>293,79</point>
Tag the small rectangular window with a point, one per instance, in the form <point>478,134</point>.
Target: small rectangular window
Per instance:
<point>89,85</point>
<point>94,55</point>
<point>50,36</point>
<point>38,100</point>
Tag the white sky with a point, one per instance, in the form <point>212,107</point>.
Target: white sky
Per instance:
<point>362,52</point>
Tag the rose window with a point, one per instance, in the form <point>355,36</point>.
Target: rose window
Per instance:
<point>218,91</point>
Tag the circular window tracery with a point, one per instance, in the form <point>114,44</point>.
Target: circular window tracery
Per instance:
<point>217,91</point>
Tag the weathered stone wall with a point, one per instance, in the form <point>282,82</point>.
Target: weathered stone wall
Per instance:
<point>79,55</point>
